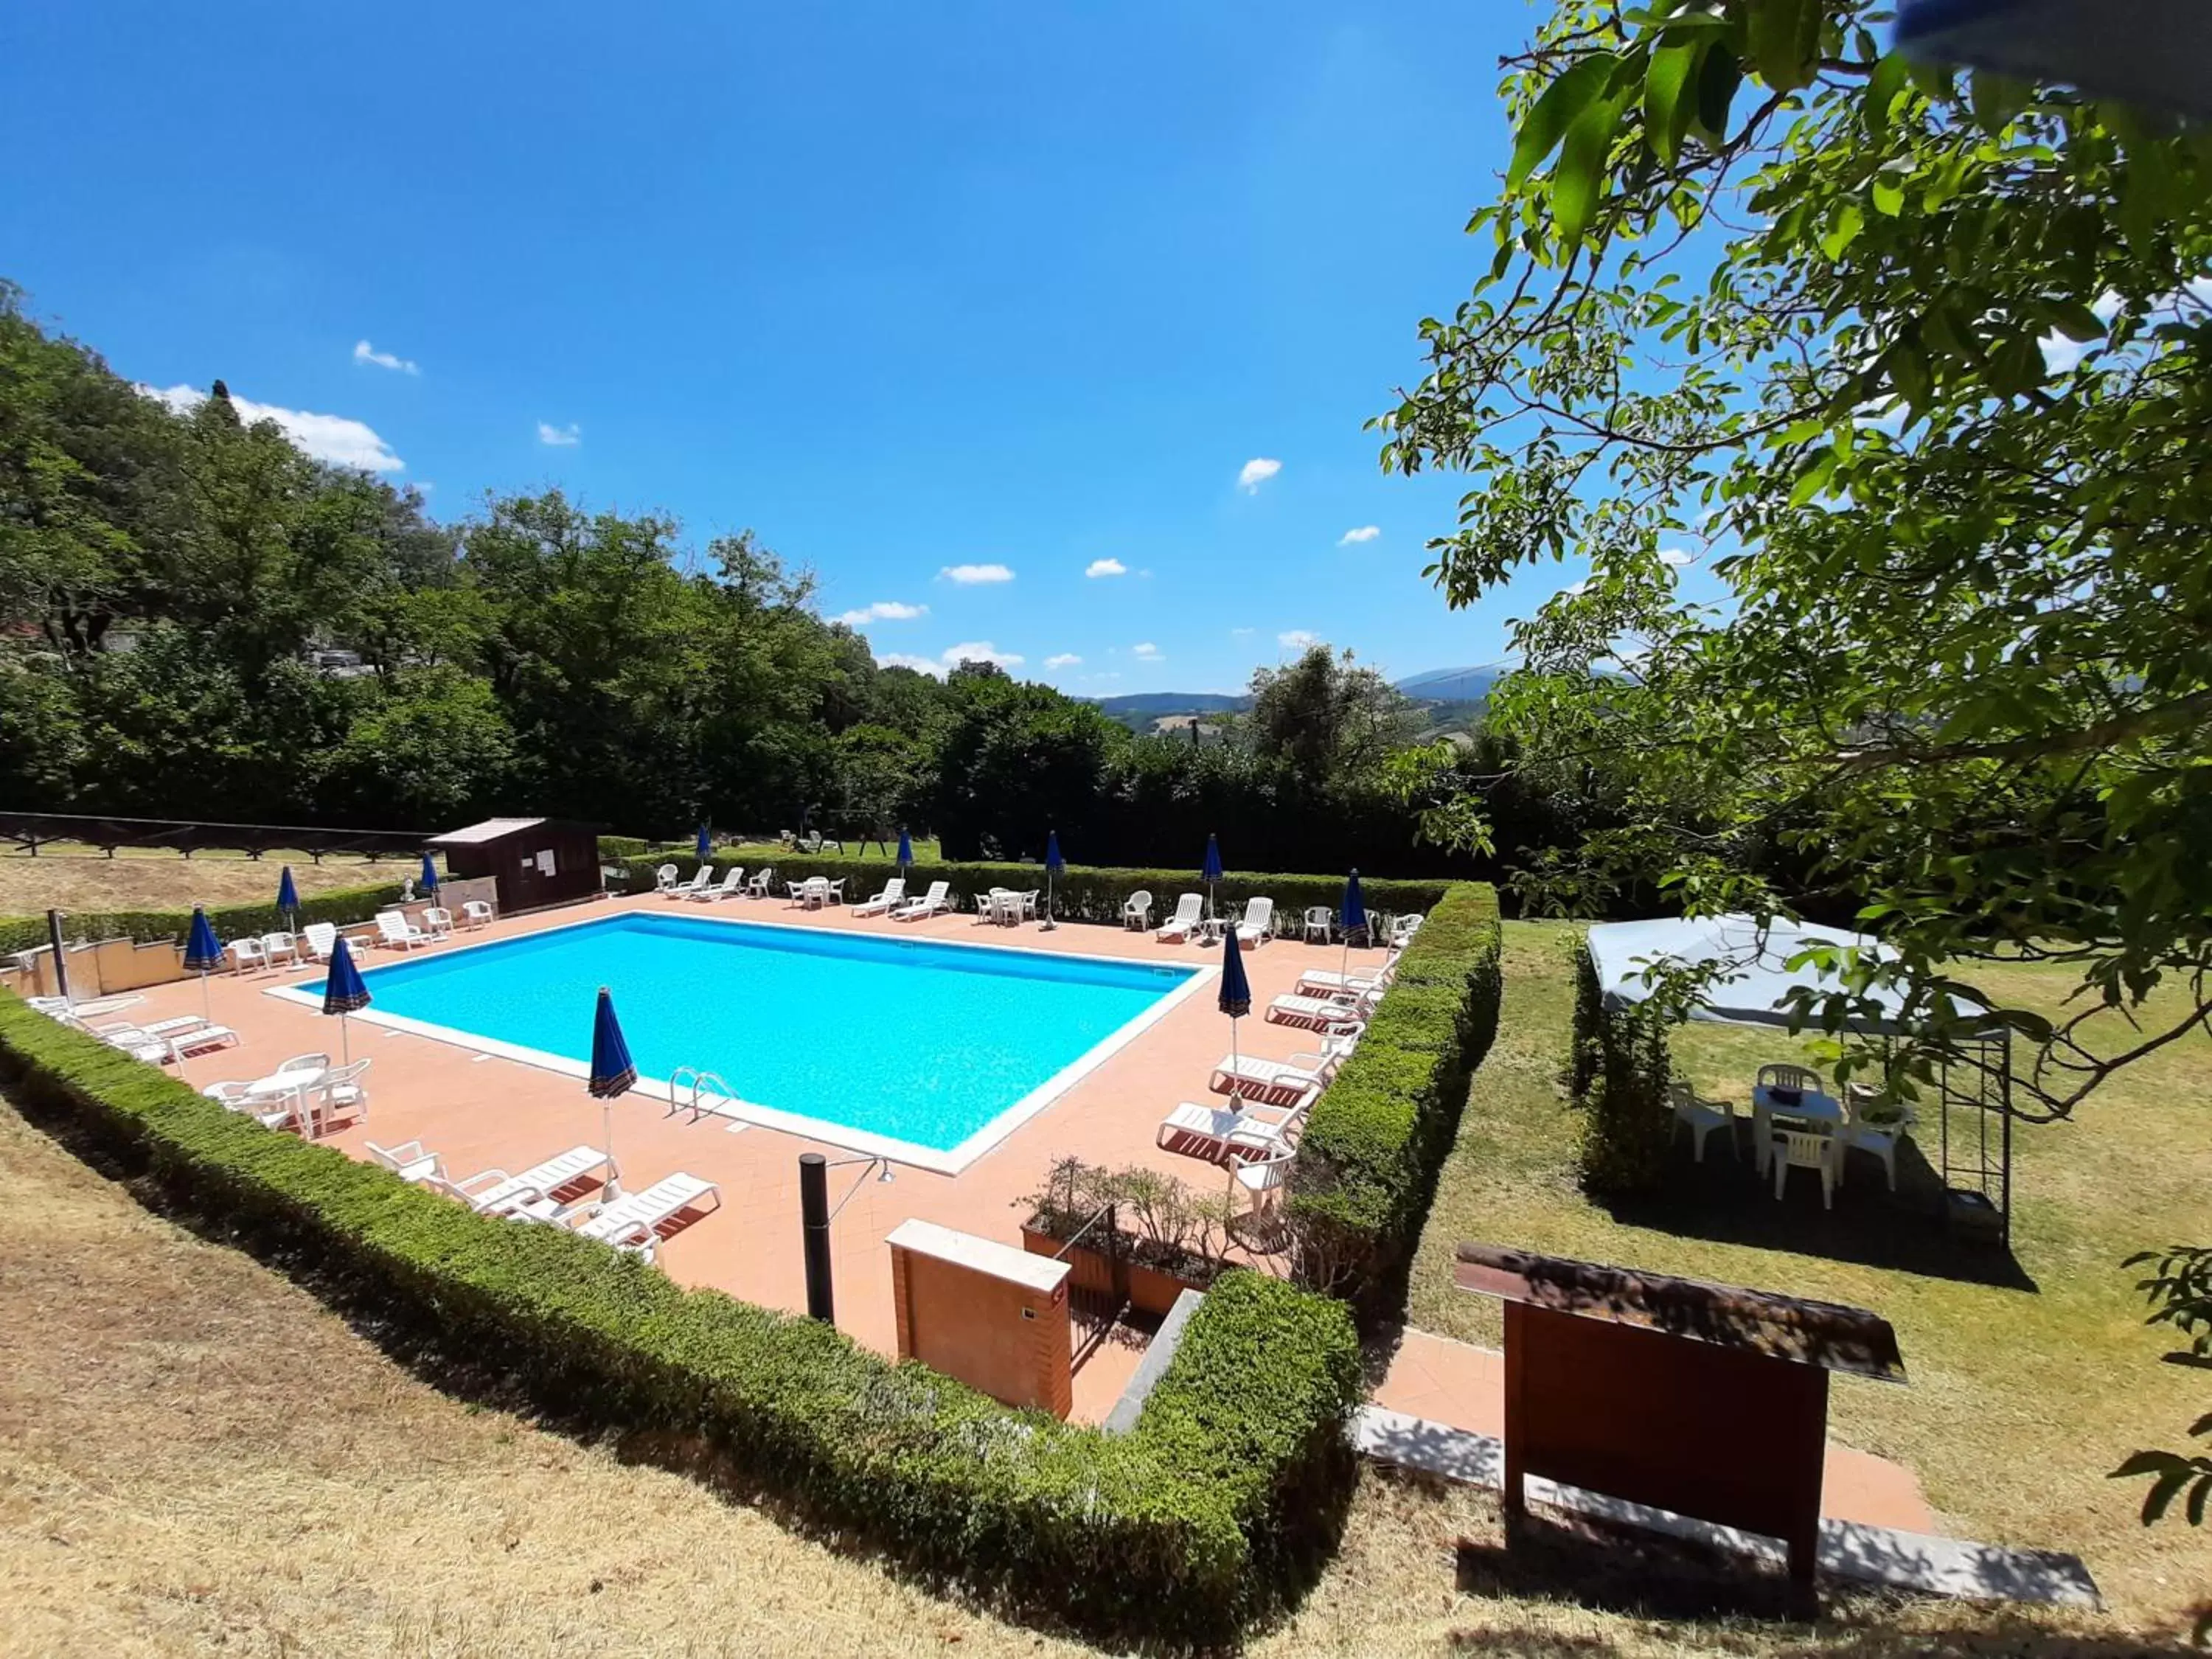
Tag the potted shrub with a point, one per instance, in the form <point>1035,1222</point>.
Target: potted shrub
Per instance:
<point>1160,1239</point>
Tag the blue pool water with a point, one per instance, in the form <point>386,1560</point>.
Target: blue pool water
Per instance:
<point>923,1041</point>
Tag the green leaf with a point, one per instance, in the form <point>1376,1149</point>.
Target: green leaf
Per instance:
<point>1883,88</point>
<point>2072,318</point>
<point>1562,103</point>
<point>1842,230</point>
<point>1997,98</point>
<point>1666,108</point>
<point>1888,195</point>
<point>1578,181</point>
<point>1783,35</point>
<point>1718,77</point>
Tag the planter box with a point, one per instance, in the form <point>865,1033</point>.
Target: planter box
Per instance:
<point>1150,1290</point>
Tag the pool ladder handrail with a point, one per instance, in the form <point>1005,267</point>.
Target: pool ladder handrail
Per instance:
<point>700,1080</point>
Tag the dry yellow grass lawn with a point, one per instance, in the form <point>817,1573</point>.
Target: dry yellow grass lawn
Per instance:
<point>196,1455</point>
<point>82,880</point>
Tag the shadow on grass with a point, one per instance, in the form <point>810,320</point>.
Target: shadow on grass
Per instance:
<point>1724,1199</point>
<point>1709,1599</point>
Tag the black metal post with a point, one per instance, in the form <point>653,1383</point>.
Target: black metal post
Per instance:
<point>61,956</point>
<point>814,1224</point>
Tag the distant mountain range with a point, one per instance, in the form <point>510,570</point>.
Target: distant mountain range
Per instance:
<point>1143,710</point>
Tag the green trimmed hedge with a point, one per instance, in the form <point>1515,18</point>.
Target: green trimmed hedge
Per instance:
<point>1619,1068</point>
<point>231,921</point>
<point>1367,1165</point>
<point>1081,892</point>
<point>1188,1528</point>
<point>612,848</point>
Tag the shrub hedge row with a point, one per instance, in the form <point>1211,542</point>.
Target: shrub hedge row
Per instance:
<point>1367,1166</point>
<point>1185,1528</point>
<point>1081,892</point>
<point>231,921</point>
<point>1618,1072</point>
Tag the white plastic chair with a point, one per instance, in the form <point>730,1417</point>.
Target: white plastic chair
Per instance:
<point>411,1160</point>
<point>1320,923</point>
<point>476,913</point>
<point>1263,1175</point>
<point>1878,1134</point>
<point>663,878</point>
<point>250,954</point>
<point>1807,1149</point>
<point>1137,911</point>
<point>341,1093</point>
<point>759,885</point>
<point>1701,1118</point>
<point>280,947</point>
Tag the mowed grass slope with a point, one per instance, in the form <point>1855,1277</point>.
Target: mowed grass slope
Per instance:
<point>82,880</point>
<point>197,1457</point>
<point>2020,1400</point>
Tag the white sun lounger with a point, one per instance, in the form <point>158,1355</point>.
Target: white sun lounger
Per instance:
<point>319,939</point>
<point>1277,1081</point>
<point>691,889</point>
<point>1259,922</point>
<point>936,899</point>
<point>411,1161</point>
<point>1214,1131</point>
<point>161,1048</point>
<point>633,1222</point>
<point>1179,927</point>
<point>1325,981</point>
<point>540,1181</point>
<point>1319,1013</point>
<point>890,898</point>
<point>393,928</point>
<point>734,881</point>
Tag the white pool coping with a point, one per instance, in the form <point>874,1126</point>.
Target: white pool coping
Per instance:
<point>889,1147</point>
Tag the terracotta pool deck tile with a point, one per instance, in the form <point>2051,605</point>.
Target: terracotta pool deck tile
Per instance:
<point>480,1112</point>
<point>1463,1386</point>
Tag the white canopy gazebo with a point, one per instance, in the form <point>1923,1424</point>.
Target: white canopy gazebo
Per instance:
<point>1751,986</point>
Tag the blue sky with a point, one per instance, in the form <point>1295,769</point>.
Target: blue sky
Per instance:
<point>908,290</point>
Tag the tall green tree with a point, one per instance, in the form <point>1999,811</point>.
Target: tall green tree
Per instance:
<point>1922,359</point>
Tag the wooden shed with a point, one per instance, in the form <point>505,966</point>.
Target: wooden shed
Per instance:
<point>535,861</point>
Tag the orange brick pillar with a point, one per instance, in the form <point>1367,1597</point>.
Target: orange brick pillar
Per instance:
<point>991,1315</point>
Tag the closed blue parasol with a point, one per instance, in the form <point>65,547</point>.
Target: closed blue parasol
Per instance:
<point>429,875</point>
<point>1354,917</point>
<point>1054,864</point>
<point>288,898</point>
<point>1236,1000</point>
<point>344,993</point>
<point>1210,871</point>
<point>704,846</point>
<point>905,852</point>
<point>202,951</point>
<point>612,1073</point>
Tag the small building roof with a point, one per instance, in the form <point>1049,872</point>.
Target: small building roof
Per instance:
<point>1827,1335</point>
<point>500,828</point>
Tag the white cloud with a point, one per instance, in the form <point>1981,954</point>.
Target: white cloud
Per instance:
<point>1242,633</point>
<point>1106,567</point>
<point>1366,532</point>
<point>330,438</point>
<point>883,610</point>
<point>560,437</point>
<point>1064,659</point>
<point>1255,472</point>
<point>1298,639</point>
<point>1677,556</point>
<point>981,650</point>
<point>920,664</point>
<point>967,575</point>
<point>1576,590</point>
<point>1145,652</point>
<point>365,353</point>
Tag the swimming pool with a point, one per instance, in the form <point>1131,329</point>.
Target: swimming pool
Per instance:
<point>926,1050</point>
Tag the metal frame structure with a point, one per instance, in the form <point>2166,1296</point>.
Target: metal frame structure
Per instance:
<point>31,830</point>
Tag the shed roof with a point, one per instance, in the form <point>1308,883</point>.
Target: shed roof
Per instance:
<point>500,828</point>
<point>1827,1335</point>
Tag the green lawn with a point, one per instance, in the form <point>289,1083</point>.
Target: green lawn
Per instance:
<point>2024,1392</point>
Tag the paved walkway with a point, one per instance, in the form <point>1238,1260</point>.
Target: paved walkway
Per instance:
<point>1462,1387</point>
